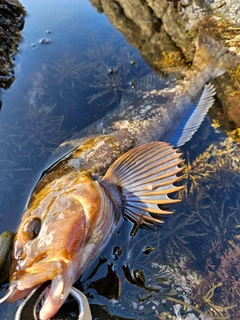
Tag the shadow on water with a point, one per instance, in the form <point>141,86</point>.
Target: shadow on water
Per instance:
<point>73,69</point>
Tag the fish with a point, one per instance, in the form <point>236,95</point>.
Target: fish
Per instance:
<point>125,165</point>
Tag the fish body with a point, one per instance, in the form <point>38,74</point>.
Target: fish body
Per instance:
<point>115,168</point>
<point>155,112</point>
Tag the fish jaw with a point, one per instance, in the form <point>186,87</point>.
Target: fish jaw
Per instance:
<point>61,275</point>
<point>66,244</point>
<point>54,298</point>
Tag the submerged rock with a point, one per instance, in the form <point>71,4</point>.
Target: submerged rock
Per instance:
<point>230,9</point>
<point>11,23</point>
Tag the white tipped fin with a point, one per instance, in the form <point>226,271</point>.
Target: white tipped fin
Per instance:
<point>142,178</point>
<point>195,117</point>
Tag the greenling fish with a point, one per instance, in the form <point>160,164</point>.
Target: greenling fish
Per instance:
<point>116,168</point>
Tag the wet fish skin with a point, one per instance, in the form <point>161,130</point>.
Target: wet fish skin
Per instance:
<point>72,212</point>
<point>154,114</point>
<point>64,249</point>
<point>70,216</point>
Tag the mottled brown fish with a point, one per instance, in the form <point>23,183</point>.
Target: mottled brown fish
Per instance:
<point>118,169</point>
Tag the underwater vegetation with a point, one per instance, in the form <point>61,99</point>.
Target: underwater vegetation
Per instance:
<point>171,63</point>
<point>109,73</point>
<point>27,142</point>
<point>226,273</point>
<point>41,124</point>
<point>67,70</point>
<point>191,265</point>
<point>167,290</point>
<point>204,229</point>
<point>98,76</point>
<point>220,159</point>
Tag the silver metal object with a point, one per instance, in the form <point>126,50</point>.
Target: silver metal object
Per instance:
<point>83,305</point>
<point>84,309</point>
<point>23,304</point>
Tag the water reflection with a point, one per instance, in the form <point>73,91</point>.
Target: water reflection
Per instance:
<point>66,85</point>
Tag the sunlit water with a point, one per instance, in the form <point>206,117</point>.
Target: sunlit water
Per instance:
<point>72,67</point>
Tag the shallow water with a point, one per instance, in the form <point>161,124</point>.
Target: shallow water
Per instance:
<point>70,71</point>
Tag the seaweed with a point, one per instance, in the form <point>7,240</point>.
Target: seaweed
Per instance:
<point>228,274</point>
<point>109,74</point>
<point>172,283</point>
<point>171,63</point>
<point>202,235</point>
<point>225,273</point>
<point>212,165</point>
<point>110,86</point>
<point>27,141</point>
<point>67,70</point>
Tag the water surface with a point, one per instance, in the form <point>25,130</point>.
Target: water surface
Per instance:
<point>72,67</point>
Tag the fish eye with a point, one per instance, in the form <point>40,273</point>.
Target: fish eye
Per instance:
<point>33,228</point>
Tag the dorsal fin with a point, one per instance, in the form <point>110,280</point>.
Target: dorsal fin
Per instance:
<point>142,178</point>
<point>149,82</point>
<point>194,118</point>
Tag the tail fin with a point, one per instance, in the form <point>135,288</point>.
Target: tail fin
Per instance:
<point>210,61</point>
<point>211,55</point>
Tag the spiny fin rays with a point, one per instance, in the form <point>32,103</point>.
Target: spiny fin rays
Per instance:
<point>142,178</point>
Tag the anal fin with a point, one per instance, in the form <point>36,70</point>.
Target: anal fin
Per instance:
<point>195,117</point>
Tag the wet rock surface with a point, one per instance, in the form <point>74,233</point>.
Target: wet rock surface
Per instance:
<point>11,23</point>
<point>230,9</point>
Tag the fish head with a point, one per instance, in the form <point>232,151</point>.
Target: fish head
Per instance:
<point>58,237</point>
<point>71,216</point>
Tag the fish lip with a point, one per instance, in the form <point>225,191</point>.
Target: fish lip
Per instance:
<point>54,296</point>
<point>27,280</point>
<point>24,281</point>
<point>14,293</point>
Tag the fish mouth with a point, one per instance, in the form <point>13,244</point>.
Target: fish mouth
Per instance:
<point>33,277</point>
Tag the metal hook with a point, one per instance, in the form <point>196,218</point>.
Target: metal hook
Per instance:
<point>83,305</point>
<point>84,309</point>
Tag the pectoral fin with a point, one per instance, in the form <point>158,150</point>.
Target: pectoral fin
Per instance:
<point>142,178</point>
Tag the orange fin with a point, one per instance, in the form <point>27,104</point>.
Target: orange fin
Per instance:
<point>142,178</point>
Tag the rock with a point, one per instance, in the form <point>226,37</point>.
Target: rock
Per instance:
<point>230,9</point>
<point>11,23</point>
